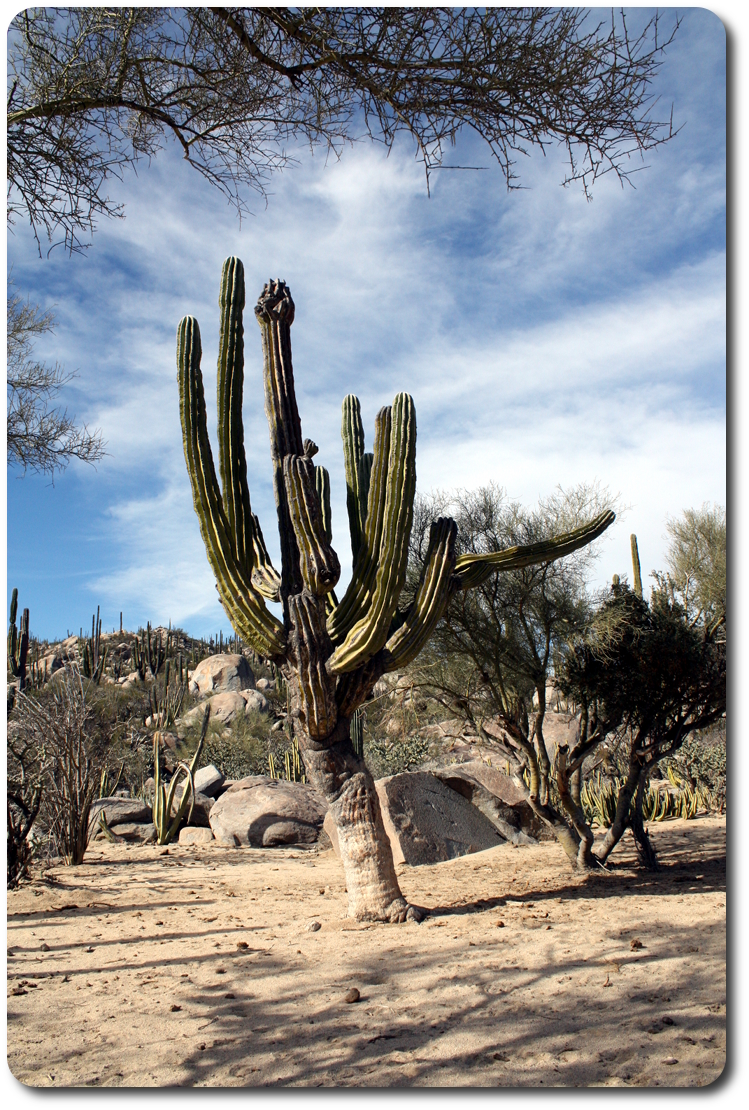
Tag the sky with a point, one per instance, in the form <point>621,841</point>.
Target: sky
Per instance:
<point>546,340</point>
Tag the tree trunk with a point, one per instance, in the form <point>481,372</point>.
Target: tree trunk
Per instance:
<point>645,849</point>
<point>621,819</point>
<point>366,853</point>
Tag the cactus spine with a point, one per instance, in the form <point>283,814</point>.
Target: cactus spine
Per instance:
<point>331,654</point>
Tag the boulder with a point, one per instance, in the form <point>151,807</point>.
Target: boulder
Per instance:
<point>265,684</point>
<point>427,822</point>
<point>209,780</point>
<point>253,699</point>
<point>497,796</point>
<point>190,835</point>
<point>201,810</point>
<point>224,708</point>
<point>134,831</point>
<point>259,812</point>
<point>222,672</point>
<point>560,728</point>
<point>119,811</point>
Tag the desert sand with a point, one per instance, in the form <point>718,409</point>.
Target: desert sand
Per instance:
<point>196,966</point>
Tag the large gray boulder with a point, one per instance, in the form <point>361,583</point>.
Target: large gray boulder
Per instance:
<point>119,811</point>
<point>259,812</point>
<point>201,810</point>
<point>427,822</point>
<point>222,672</point>
<point>498,798</point>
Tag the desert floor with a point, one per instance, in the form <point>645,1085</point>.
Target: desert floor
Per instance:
<point>195,967</point>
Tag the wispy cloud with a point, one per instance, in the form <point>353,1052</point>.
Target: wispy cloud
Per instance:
<point>545,339</point>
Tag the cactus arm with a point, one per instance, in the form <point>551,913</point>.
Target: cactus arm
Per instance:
<point>365,473</point>
<point>352,434</point>
<point>244,605</point>
<point>358,596</point>
<point>275,314</point>
<point>229,390</point>
<point>636,573</point>
<point>322,485</point>
<point>265,577</point>
<point>370,633</point>
<point>317,560</point>
<point>472,570</point>
<point>432,596</point>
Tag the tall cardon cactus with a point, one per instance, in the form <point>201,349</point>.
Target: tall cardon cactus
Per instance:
<point>331,652</point>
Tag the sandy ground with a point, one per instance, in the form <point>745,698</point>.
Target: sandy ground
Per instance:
<point>196,968</point>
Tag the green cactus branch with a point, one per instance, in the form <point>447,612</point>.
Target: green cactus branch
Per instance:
<point>244,605</point>
<point>355,601</point>
<point>472,570</point>
<point>636,573</point>
<point>434,591</point>
<point>370,633</point>
<point>352,434</point>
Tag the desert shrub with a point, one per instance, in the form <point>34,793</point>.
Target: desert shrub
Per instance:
<point>61,725</point>
<point>241,749</point>
<point>384,756</point>
<point>701,761</point>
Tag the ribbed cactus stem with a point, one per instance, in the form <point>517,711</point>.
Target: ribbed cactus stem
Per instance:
<point>370,633</point>
<point>229,390</point>
<point>432,596</point>
<point>358,596</point>
<point>243,603</point>
<point>472,570</point>
<point>275,314</point>
<point>13,634</point>
<point>637,578</point>
<point>352,434</point>
<point>318,561</point>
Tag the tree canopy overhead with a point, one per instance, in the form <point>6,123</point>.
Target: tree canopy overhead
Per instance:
<point>94,90</point>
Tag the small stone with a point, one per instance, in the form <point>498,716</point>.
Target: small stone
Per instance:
<point>242,944</point>
<point>670,1060</point>
<point>175,1008</point>
<point>230,995</point>
<point>635,944</point>
<point>500,924</point>
<point>19,990</point>
<point>45,948</point>
<point>352,995</point>
<point>667,1020</point>
<point>90,949</point>
<point>313,926</point>
<point>164,852</point>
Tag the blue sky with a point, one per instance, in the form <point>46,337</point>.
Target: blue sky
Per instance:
<point>545,340</point>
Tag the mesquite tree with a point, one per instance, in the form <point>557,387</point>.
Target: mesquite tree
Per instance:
<point>331,652</point>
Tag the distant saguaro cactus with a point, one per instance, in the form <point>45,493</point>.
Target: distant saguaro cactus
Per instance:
<point>331,653</point>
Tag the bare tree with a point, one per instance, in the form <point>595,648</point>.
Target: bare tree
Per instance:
<point>40,437</point>
<point>94,90</point>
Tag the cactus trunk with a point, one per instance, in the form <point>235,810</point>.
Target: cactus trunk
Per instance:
<point>330,654</point>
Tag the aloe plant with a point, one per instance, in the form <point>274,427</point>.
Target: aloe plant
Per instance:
<point>330,652</point>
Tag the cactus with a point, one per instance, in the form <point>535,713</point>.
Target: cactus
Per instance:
<point>161,811</point>
<point>330,653</point>
<point>18,642</point>
<point>93,659</point>
<point>166,709</point>
<point>13,635</point>
<point>636,577</point>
